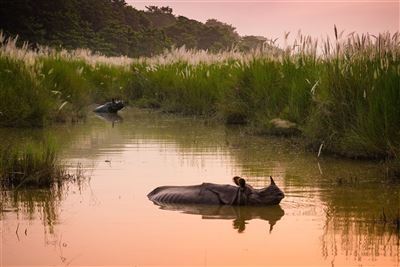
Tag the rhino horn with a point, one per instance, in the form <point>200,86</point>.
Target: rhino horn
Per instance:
<point>272,180</point>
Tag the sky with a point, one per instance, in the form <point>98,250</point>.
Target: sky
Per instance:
<point>271,18</point>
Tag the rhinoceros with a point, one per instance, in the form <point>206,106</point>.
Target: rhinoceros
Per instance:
<point>218,194</point>
<point>110,107</point>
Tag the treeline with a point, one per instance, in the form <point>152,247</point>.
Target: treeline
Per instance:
<point>114,28</point>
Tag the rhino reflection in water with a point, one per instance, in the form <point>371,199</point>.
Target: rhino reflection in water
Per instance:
<point>217,194</point>
<point>110,117</point>
<point>239,214</point>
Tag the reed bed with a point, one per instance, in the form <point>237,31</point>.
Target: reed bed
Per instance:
<point>342,94</point>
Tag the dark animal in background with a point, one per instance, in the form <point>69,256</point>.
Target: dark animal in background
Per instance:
<point>110,107</point>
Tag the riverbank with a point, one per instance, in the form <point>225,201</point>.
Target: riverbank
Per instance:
<point>343,99</point>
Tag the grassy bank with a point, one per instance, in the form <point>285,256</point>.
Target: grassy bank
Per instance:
<point>344,99</point>
<point>44,86</point>
<point>343,96</point>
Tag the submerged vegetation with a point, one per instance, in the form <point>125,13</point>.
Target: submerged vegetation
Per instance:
<point>342,95</point>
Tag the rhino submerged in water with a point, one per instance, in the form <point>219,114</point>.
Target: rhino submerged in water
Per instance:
<point>217,194</point>
<point>110,107</point>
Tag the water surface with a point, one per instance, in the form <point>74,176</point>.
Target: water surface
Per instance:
<point>330,215</point>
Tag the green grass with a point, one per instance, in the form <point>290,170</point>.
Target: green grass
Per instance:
<point>24,101</point>
<point>44,86</point>
<point>345,96</point>
<point>55,89</point>
<point>356,108</point>
<point>32,165</point>
<point>181,87</point>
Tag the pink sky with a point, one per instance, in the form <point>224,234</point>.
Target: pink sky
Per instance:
<point>273,18</point>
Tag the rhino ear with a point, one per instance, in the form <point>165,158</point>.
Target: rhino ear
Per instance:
<point>239,181</point>
<point>272,180</point>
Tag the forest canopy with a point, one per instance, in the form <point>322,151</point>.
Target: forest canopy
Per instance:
<point>114,28</point>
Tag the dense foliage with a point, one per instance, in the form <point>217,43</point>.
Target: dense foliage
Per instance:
<point>112,27</point>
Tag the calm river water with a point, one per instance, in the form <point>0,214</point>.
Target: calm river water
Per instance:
<point>328,217</point>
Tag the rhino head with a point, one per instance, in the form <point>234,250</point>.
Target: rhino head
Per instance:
<point>115,106</point>
<point>247,195</point>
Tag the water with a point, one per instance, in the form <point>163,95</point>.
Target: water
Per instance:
<point>329,216</point>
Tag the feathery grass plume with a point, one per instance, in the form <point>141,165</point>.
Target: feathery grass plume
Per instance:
<point>24,100</point>
<point>360,95</point>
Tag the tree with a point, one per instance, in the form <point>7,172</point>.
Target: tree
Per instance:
<point>112,27</point>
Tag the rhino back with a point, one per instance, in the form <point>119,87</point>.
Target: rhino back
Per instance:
<point>205,193</point>
<point>176,194</point>
<point>102,108</point>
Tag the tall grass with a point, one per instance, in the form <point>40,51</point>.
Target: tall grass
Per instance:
<point>33,165</point>
<point>181,87</point>
<point>355,109</point>
<point>343,93</point>
<point>23,100</point>
<point>29,165</point>
<point>42,86</point>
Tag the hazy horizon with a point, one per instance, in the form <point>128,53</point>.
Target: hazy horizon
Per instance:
<point>272,18</point>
